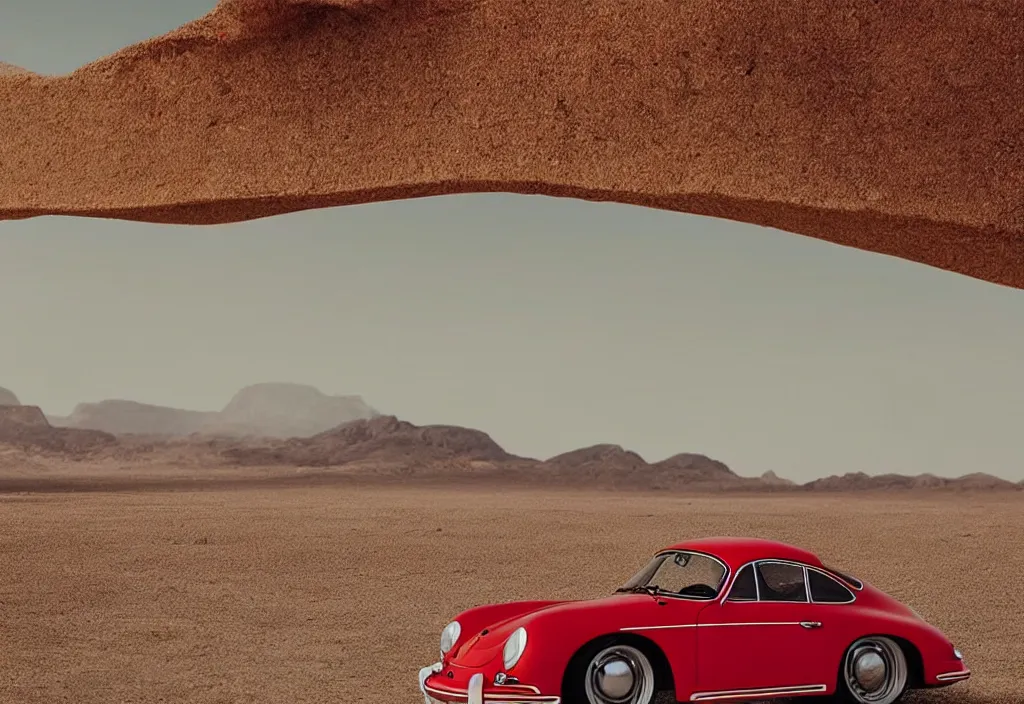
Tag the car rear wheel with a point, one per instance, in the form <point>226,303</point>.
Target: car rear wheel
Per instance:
<point>614,674</point>
<point>874,671</point>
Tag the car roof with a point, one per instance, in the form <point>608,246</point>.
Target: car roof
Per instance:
<point>739,551</point>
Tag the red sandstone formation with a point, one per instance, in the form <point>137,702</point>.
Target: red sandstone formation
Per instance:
<point>892,127</point>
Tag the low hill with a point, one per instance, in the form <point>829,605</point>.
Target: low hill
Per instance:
<point>7,398</point>
<point>18,416</point>
<point>770,478</point>
<point>612,465</point>
<point>385,439</point>
<point>598,459</point>
<point>859,481</point>
<point>26,427</point>
<point>981,481</point>
<point>690,467</point>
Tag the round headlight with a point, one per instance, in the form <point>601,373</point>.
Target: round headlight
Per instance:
<point>514,647</point>
<point>957,654</point>
<point>449,635</point>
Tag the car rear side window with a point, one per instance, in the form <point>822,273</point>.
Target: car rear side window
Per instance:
<point>744,587</point>
<point>852,581</point>
<point>826,590</point>
<point>779,581</point>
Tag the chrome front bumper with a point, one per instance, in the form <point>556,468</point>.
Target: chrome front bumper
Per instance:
<point>426,672</point>
<point>474,695</point>
<point>475,692</point>
<point>952,677</point>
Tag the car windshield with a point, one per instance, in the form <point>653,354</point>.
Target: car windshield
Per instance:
<point>684,574</point>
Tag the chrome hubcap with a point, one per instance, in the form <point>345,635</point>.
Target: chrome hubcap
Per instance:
<point>615,679</point>
<point>869,668</point>
<point>875,671</point>
<point>619,674</point>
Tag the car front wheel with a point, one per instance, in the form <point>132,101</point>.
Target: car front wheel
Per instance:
<point>874,671</point>
<point>613,674</point>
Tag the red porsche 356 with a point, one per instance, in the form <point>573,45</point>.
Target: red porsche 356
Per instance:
<point>718,619</point>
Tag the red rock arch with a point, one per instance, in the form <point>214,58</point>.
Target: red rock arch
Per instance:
<point>891,127</point>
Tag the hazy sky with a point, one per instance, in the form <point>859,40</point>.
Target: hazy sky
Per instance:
<point>551,324</point>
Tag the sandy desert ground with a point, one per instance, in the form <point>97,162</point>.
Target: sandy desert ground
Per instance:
<point>337,593</point>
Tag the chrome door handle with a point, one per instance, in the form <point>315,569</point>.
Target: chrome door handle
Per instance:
<point>811,624</point>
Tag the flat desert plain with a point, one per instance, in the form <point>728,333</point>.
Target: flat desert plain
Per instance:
<point>337,593</point>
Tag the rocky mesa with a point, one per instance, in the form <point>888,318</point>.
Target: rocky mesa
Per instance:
<point>26,427</point>
<point>283,410</point>
<point>274,410</point>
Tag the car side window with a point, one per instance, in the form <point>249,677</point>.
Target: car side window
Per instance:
<point>825,590</point>
<point>853,581</point>
<point>779,581</point>
<point>744,587</point>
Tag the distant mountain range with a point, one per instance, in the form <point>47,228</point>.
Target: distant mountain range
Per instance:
<point>278,424</point>
<point>261,410</point>
<point>387,444</point>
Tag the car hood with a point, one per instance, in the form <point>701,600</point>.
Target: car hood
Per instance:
<point>616,611</point>
<point>485,645</point>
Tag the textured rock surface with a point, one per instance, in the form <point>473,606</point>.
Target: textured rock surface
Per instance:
<point>384,439</point>
<point>892,127</point>
<point>692,467</point>
<point>599,458</point>
<point>11,69</point>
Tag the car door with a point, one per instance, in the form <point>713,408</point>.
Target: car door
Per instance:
<point>766,637</point>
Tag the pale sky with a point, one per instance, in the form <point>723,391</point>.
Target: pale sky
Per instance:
<point>549,323</point>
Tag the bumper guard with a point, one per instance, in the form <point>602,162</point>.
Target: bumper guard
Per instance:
<point>475,692</point>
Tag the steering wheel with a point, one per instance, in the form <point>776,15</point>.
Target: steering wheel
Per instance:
<point>701,590</point>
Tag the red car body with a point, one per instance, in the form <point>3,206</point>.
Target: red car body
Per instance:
<point>715,648</point>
